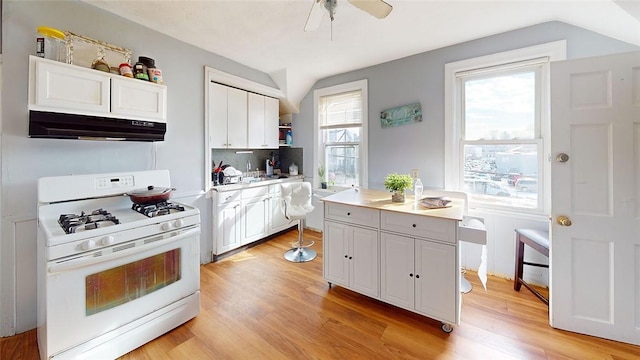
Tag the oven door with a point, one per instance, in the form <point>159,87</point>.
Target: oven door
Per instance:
<point>90,295</point>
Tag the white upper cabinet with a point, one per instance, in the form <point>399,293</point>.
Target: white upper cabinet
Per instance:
<point>227,117</point>
<point>262,121</point>
<point>137,98</point>
<point>236,118</point>
<point>65,88</point>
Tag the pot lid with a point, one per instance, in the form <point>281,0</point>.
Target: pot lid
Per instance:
<point>150,191</point>
<point>51,32</point>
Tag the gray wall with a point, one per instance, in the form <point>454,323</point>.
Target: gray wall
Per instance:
<point>420,78</point>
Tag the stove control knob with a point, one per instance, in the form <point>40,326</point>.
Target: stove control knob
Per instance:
<point>107,240</point>
<point>166,226</point>
<point>178,223</point>
<point>88,245</point>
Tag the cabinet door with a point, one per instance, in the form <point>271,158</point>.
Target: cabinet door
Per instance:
<point>227,227</point>
<point>335,253</point>
<point>396,270</point>
<point>363,261</point>
<point>277,221</point>
<point>271,122</point>
<point>217,103</point>
<point>436,279</point>
<point>140,99</point>
<point>68,87</point>
<point>255,121</point>
<point>236,118</point>
<point>254,219</point>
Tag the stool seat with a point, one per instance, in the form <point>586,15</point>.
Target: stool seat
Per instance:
<point>537,240</point>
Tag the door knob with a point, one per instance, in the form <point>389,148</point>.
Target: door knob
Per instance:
<point>564,220</point>
<point>562,158</point>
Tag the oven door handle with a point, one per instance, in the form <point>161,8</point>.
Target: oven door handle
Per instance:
<point>88,260</point>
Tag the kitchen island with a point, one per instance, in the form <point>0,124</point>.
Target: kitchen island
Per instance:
<point>401,253</point>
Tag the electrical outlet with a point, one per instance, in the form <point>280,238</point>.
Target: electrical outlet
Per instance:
<point>414,173</point>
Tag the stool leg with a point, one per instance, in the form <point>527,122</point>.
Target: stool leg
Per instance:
<point>519,263</point>
<point>300,253</point>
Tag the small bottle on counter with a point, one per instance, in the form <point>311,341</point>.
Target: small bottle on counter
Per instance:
<point>417,189</point>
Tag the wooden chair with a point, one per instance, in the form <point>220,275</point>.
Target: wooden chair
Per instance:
<point>537,240</point>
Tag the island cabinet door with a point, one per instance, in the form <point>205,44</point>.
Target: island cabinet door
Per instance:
<point>436,275</point>
<point>397,270</point>
<point>335,253</point>
<point>363,261</point>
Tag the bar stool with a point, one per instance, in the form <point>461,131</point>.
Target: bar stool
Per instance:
<point>296,204</point>
<point>537,240</point>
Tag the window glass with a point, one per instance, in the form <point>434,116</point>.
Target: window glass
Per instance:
<point>341,135</point>
<point>500,107</point>
<point>500,137</point>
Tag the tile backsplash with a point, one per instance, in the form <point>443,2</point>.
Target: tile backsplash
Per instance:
<point>238,158</point>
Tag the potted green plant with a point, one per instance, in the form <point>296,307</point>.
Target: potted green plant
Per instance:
<point>323,181</point>
<point>398,184</point>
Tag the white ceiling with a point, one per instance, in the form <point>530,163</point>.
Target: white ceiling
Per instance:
<point>268,35</point>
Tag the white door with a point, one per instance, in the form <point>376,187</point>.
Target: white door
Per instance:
<point>595,258</point>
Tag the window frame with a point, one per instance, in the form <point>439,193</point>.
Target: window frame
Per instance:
<point>453,165</point>
<point>318,145</point>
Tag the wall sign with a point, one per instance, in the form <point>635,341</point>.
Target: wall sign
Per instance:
<point>401,115</point>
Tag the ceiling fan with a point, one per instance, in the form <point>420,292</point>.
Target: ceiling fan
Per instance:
<point>377,8</point>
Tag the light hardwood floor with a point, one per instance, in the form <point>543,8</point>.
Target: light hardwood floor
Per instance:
<point>256,305</point>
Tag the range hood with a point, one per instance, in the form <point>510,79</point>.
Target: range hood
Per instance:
<point>54,125</point>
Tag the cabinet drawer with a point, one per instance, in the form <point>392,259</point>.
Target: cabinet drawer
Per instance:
<point>228,196</point>
<point>255,192</point>
<point>352,214</point>
<point>419,226</point>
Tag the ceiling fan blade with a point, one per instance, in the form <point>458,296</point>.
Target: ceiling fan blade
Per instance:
<point>377,8</point>
<point>315,15</point>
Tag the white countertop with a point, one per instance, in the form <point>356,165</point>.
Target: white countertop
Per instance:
<point>381,200</point>
<point>262,182</point>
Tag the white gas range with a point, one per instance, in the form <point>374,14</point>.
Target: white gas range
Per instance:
<point>110,278</point>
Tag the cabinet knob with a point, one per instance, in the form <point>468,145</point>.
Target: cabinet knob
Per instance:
<point>350,257</point>
<point>417,276</point>
<point>346,256</point>
<point>410,275</point>
<point>348,214</point>
<point>414,225</point>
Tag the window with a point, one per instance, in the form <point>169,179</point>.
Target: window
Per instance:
<point>341,134</point>
<point>497,128</point>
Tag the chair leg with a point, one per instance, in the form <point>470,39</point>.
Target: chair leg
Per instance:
<point>517,284</point>
<point>300,253</point>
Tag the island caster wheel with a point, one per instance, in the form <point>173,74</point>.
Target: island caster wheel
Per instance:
<point>330,285</point>
<point>448,328</point>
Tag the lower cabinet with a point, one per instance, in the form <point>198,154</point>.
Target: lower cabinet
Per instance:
<point>419,275</point>
<point>351,257</point>
<point>277,221</point>
<point>227,222</point>
<point>243,216</point>
<point>388,255</point>
<point>255,214</point>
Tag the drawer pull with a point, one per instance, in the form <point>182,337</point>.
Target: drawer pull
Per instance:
<point>414,225</point>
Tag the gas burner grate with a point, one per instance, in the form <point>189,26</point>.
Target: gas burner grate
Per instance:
<point>157,209</point>
<point>73,223</point>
